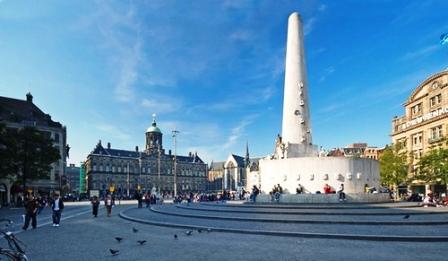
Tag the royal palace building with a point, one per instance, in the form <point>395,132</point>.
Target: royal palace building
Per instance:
<point>126,171</point>
<point>425,122</point>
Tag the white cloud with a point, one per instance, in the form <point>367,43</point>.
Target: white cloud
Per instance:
<point>240,36</point>
<point>309,26</point>
<point>238,131</point>
<point>161,104</point>
<point>322,8</point>
<point>419,53</point>
<point>118,36</point>
<point>234,4</point>
<point>113,131</point>
<point>327,72</point>
<point>124,89</point>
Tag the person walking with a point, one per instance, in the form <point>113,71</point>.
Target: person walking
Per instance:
<point>57,206</point>
<point>108,202</point>
<point>341,193</point>
<point>95,205</point>
<point>30,212</point>
<point>255,192</point>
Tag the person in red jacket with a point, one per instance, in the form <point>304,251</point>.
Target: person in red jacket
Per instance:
<point>327,189</point>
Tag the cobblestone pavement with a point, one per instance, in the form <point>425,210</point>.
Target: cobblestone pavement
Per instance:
<point>86,238</point>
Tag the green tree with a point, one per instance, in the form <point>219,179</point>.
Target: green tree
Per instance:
<point>35,154</point>
<point>393,165</point>
<point>433,166</point>
<point>8,145</point>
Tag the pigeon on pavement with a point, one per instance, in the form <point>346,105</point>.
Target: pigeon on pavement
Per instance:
<point>141,242</point>
<point>114,252</point>
<point>134,230</point>
<point>119,239</point>
<point>407,216</point>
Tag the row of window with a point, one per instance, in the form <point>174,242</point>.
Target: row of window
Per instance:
<point>147,170</point>
<point>433,101</point>
<point>435,133</point>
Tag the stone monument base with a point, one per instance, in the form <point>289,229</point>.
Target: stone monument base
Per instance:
<point>312,173</point>
<point>326,198</point>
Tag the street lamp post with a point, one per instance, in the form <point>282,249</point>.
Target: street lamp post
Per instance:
<point>158,166</point>
<point>128,179</point>
<point>175,132</point>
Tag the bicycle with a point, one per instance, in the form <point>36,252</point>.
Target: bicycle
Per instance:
<point>16,250</point>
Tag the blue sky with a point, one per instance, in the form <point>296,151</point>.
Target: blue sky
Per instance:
<point>214,70</point>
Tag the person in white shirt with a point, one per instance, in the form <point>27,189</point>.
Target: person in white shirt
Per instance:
<point>57,206</point>
<point>108,202</point>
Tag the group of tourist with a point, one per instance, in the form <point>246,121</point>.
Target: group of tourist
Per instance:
<point>434,200</point>
<point>33,207</point>
<point>275,193</point>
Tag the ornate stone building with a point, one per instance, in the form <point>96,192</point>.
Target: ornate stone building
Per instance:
<point>425,122</point>
<point>16,114</point>
<point>124,171</point>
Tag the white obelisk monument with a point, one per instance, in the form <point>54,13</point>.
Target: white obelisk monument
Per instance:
<point>296,160</point>
<point>296,125</point>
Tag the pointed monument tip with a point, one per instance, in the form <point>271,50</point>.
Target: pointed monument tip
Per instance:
<point>294,15</point>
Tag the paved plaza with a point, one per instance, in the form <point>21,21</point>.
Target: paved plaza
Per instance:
<point>82,237</point>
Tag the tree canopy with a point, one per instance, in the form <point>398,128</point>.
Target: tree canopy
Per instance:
<point>393,165</point>
<point>26,154</point>
<point>433,166</point>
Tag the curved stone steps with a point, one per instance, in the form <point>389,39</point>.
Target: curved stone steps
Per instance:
<point>340,211</point>
<point>354,232</point>
<point>245,204</point>
<point>297,219</point>
<point>437,217</point>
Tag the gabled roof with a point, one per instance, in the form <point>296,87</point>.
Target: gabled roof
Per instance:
<point>25,112</point>
<point>239,160</point>
<point>217,165</point>
<point>423,84</point>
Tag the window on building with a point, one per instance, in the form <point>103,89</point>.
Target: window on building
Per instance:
<point>435,100</point>
<point>417,139</point>
<point>56,137</point>
<point>436,132</point>
<point>416,109</point>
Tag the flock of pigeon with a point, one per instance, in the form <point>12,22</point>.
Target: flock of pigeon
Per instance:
<point>115,252</point>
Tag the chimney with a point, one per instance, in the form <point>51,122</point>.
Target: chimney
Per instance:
<point>108,145</point>
<point>136,148</point>
<point>29,97</point>
<point>169,152</point>
<point>189,154</point>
